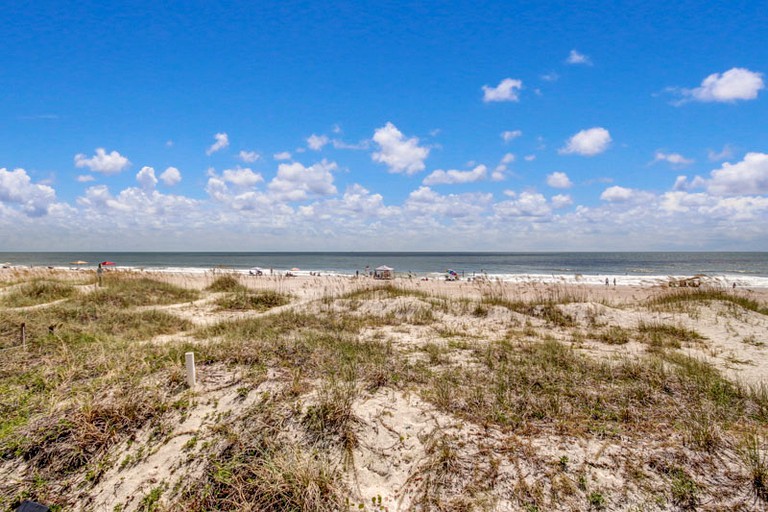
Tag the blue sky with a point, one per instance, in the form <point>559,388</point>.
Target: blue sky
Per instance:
<point>384,126</point>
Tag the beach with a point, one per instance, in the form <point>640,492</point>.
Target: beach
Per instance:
<point>407,394</point>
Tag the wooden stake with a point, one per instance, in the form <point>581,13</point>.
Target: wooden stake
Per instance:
<point>24,334</point>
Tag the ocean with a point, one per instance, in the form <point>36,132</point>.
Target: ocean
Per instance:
<point>742,268</point>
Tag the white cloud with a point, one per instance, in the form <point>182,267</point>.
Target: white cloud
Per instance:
<point>726,153</point>
<point>508,158</point>
<point>590,142</point>
<point>451,177</point>
<point>397,152</point>
<point>248,156</point>
<point>675,159</point>
<point>550,77</point>
<point>241,177</point>
<point>750,176</point>
<point>316,142</point>
<point>618,194</point>
<point>526,204</point>
<point>529,158</point>
<point>735,84</point>
<point>561,201</point>
<point>285,155</point>
<point>171,176</point>
<point>578,58</point>
<point>507,90</point>
<point>146,178</point>
<point>294,182</point>
<point>360,146</point>
<point>16,188</point>
<point>222,141</point>
<point>103,162</point>
<point>426,202</point>
<point>84,178</point>
<point>509,135</point>
<point>559,180</point>
<point>145,208</point>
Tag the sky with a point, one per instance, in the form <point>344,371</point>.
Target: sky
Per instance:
<point>384,126</point>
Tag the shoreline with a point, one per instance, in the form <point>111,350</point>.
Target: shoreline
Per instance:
<point>593,280</point>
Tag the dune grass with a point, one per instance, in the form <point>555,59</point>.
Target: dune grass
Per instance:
<point>226,283</point>
<point>679,298</point>
<point>127,291</point>
<point>90,378</point>
<point>37,291</point>
<point>243,300</point>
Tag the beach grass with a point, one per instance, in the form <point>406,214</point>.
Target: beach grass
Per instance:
<point>37,291</point>
<point>102,370</point>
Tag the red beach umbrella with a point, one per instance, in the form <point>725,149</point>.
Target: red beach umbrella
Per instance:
<point>105,263</point>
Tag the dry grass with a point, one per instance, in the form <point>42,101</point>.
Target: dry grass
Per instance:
<point>89,381</point>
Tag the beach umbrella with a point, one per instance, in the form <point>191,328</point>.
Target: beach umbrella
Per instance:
<point>295,269</point>
<point>78,262</point>
<point>106,263</point>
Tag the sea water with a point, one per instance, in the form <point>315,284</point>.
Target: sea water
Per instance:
<point>727,268</point>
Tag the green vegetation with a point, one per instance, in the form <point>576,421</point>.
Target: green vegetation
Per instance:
<point>245,301</point>
<point>226,283</point>
<point>679,298</point>
<point>37,291</point>
<point>95,375</point>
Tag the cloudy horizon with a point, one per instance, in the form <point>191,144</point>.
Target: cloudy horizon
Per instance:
<point>468,131</point>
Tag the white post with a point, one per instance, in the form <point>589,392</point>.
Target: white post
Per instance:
<point>190,357</point>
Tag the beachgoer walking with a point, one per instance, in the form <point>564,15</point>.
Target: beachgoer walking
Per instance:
<point>606,281</point>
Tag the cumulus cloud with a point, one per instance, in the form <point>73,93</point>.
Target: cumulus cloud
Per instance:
<point>248,156</point>
<point>561,201</point>
<point>509,135</point>
<point>618,194</point>
<point>425,202</point>
<point>590,142</point>
<point>171,176</point>
<point>559,180</point>
<point>294,182</point>
<point>525,204</point>
<point>452,177</point>
<point>507,90</point>
<point>84,178</point>
<point>144,207</point>
<point>241,177</point>
<point>146,178</point>
<point>529,158</point>
<point>733,85</point>
<point>316,142</point>
<point>16,188</point>
<point>285,155</point>
<point>222,141</point>
<point>397,152</point>
<point>103,162</point>
<point>578,58</point>
<point>508,158</point>
<point>750,176</point>
<point>675,159</point>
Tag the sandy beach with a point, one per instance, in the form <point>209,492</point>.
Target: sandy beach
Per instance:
<point>385,395</point>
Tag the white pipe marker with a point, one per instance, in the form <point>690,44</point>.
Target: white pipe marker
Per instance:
<point>190,358</point>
